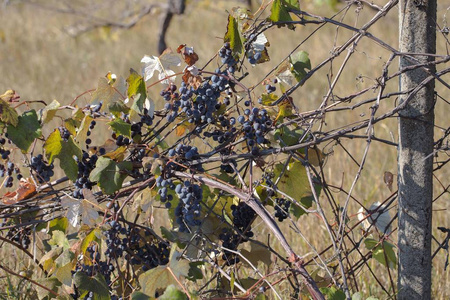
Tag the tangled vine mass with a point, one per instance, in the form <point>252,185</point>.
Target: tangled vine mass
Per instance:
<point>190,193</point>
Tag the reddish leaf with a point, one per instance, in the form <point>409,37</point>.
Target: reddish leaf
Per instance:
<point>26,190</point>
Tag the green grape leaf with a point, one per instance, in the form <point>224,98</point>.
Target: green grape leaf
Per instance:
<point>383,252</point>
<point>140,296</point>
<point>118,107</point>
<point>56,147</point>
<point>64,273</point>
<point>172,293</point>
<point>136,86</point>
<point>51,283</point>
<point>268,99</point>
<point>109,93</point>
<point>109,174</point>
<point>95,284</point>
<point>8,114</point>
<point>332,293</point>
<point>93,236</point>
<point>194,272</point>
<point>59,239</point>
<point>58,224</point>
<point>299,64</point>
<point>163,276</point>
<point>120,127</point>
<point>48,260</point>
<point>47,113</point>
<point>234,37</point>
<point>280,13</point>
<point>288,137</point>
<point>295,183</point>
<point>258,253</point>
<point>74,121</point>
<point>357,296</point>
<point>27,130</point>
<point>292,4</point>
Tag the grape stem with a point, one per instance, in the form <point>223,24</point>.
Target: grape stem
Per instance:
<point>268,220</point>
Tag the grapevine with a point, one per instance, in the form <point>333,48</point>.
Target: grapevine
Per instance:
<point>167,181</point>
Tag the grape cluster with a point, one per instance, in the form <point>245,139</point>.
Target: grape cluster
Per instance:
<point>20,236</point>
<point>184,152</point>
<point>8,171</point>
<point>164,185</point>
<point>144,251</point>
<point>65,134</point>
<point>89,132</point>
<point>188,210</point>
<point>282,208</point>
<point>230,241</point>
<point>115,245</point>
<point>85,166</point>
<point>123,141</point>
<point>255,124</point>
<point>243,216</point>
<point>43,170</point>
<point>146,118</point>
<point>170,95</point>
<point>4,153</point>
<point>226,54</point>
<point>95,109</point>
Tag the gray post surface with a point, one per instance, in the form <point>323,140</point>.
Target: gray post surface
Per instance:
<point>416,125</point>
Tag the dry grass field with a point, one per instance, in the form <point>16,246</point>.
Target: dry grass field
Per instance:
<point>42,62</point>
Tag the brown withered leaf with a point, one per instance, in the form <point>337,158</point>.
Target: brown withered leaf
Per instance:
<point>191,80</point>
<point>26,190</point>
<point>388,180</point>
<point>181,129</point>
<point>188,54</point>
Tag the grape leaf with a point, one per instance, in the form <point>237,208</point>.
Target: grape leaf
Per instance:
<point>57,224</point>
<point>51,283</point>
<point>56,147</point>
<point>47,113</point>
<point>257,253</point>
<point>138,92</point>
<point>84,128</point>
<point>48,260</point>
<point>172,293</point>
<point>76,207</point>
<point>137,295</point>
<point>333,294</point>
<point>27,130</point>
<point>64,273</point>
<point>299,63</point>
<point>59,239</point>
<point>234,37</point>
<point>118,107</point>
<point>162,64</point>
<point>163,276</point>
<point>74,121</point>
<point>109,93</point>
<point>93,236</point>
<point>109,174</point>
<point>136,85</point>
<point>95,284</point>
<point>8,114</point>
<point>382,251</point>
<point>120,127</point>
<point>288,137</point>
<point>293,4</point>
<point>295,183</point>
<point>280,13</point>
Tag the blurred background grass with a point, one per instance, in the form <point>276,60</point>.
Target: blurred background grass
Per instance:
<point>42,62</point>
